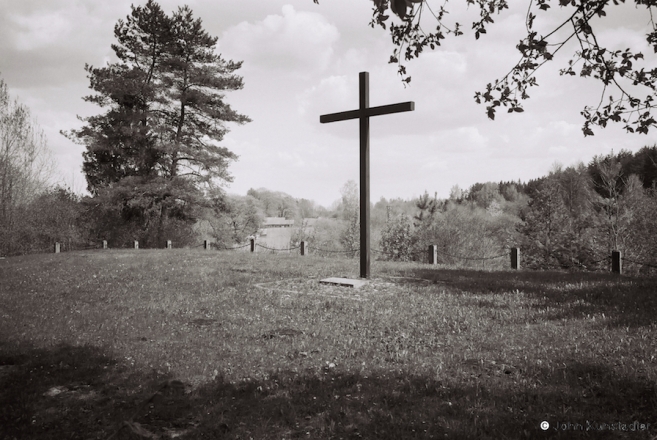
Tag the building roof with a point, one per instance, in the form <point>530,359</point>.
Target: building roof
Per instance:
<point>277,221</point>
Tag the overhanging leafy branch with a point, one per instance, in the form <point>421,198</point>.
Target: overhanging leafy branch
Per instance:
<point>618,70</point>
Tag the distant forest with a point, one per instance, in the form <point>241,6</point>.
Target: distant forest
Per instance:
<point>571,218</point>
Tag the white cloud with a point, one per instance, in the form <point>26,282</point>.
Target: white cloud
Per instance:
<point>623,38</point>
<point>332,93</point>
<point>558,150</point>
<point>40,30</point>
<point>296,42</point>
<point>564,128</point>
<point>462,140</point>
<point>293,159</point>
<point>435,164</point>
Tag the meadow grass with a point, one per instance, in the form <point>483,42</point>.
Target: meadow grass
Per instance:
<point>203,344</point>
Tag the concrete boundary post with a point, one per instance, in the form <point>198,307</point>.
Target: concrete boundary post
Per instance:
<point>433,254</point>
<point>104,244</point>
<point>136,244</point>
<point>616,262</point>
<point>515,258</point>
<point>57,248</point>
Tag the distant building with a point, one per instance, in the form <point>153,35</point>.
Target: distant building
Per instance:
<point>277,222</point>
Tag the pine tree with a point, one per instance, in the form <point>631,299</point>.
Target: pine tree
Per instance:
<point>153,156</point>
<point>544,224</point>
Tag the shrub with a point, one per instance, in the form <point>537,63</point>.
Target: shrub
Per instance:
<point>398,239</point>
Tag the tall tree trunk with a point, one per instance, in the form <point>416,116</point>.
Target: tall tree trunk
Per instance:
<point>161,224</point>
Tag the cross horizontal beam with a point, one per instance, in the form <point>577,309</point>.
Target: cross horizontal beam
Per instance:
<point>367,112</point>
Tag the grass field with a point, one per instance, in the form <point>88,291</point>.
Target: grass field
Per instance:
<point>190,344</point>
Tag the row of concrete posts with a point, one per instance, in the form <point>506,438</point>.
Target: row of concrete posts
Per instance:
<point>616,258</point>
<point>515,256</point>
<point>169,245</point>
<point>616,261</point>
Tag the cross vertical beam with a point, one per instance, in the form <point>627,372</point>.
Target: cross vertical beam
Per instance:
<point>364,104</point>
<point>363,114</point>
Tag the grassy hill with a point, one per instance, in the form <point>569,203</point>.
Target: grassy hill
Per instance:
<point>202,344</point>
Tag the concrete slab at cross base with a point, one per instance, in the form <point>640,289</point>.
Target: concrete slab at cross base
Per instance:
<point>345,282</point>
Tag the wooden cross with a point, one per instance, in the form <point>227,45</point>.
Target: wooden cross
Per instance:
<point>363,113</point>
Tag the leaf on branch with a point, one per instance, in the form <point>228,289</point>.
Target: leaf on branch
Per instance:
<point>398,8</point>
<point>568,71</point>
<point>491,112</point>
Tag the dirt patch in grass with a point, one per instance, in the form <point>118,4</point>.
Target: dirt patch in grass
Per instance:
<point>376,287</point>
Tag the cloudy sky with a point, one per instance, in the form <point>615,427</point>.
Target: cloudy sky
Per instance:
<point>302,60</point>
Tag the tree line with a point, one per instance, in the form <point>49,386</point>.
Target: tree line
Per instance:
<point>571,218</point>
